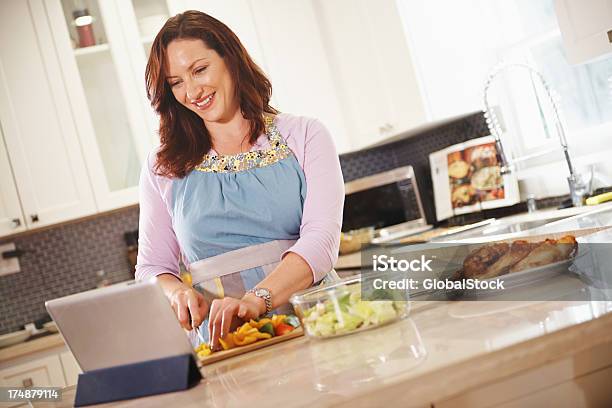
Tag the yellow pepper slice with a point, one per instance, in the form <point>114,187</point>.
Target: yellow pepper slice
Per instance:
<point>259,335</point>
<point>246,327</point>
<point>277,319</point>
<point>246,340</point>
<point>228,341</point>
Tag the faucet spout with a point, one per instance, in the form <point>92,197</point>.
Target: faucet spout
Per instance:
<point>576,185</point>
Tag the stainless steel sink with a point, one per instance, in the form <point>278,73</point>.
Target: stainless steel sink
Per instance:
<point>497,227</point>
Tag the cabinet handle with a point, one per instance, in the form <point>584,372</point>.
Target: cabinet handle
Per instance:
<point>27,382</point>
<point>34,217</point>
<point>16,222</point>
<point>387,127</point>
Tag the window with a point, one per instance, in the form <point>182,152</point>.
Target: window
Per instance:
<point>455,44</point>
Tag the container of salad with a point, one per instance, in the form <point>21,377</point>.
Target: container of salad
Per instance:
<point>337,309</point>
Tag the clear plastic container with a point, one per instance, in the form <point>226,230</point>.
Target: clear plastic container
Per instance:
<point>337,309</point>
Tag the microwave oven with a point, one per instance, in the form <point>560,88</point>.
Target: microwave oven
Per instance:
<point>388,201</point>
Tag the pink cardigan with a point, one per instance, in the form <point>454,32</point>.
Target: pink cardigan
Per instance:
<point>310,141</point>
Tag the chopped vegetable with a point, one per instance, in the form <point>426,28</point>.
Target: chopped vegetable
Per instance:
<point>277,319</point>
<point>348,312</point>
<point>267,328</point>
<point>252,331</point>
<point>283,328</point>
<point>292,321</point>
<point>203,350</point>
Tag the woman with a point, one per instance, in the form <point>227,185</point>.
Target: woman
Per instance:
<point>250,199</point>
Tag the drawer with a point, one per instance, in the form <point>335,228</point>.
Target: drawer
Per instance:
<point>43,372</point>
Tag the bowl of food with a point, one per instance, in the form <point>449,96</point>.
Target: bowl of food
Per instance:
<point>338,309</point>
<point>353,241</point>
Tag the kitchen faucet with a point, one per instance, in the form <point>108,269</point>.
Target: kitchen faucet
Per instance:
<point>576,184</point>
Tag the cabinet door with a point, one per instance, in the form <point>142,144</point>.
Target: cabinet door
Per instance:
<point>36,118</point>
<point>295,53</point>
<point>44,372</point>
<point>71,368</point>
<point>373,71</point>
<point>11,217</point>
<point>586,27</point>
<point>106,99</point>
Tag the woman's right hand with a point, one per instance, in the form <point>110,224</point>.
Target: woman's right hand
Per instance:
<point>188,304</point>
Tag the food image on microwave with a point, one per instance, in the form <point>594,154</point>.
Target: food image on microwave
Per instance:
<point>482,155</point>
<point>463,194</point>
<point>487,178</point>
<point>458,169</point>
<point>474,175</point>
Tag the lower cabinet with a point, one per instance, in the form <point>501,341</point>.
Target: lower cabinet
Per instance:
<point>42,372</point>
<point>55,368</point>
<point>580,381</point>
<point>71,368</point>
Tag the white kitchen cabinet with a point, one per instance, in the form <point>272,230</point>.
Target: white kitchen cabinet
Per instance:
<point>11,216</point>
<point>43,372</point>
<point>106,89</point>
<point>298,65</point>
<point>586,28</point>
<point>284,40</point>
<point>38,129</point>
<point>346,62</point>
<point>372,65</point>
<point>71,368</point>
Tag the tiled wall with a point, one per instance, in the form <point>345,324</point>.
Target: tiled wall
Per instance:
<point>64,260</point>
<point>61,261</point>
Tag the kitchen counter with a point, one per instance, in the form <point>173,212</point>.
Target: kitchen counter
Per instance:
<point>30,347</point>
<point>352,261</point>
<point>446,354</point>
<point>443,350</point>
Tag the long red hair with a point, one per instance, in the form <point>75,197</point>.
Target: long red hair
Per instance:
<point>183,137</point>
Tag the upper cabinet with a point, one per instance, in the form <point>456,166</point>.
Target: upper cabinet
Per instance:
<point>76,123</point>
<point>586,27</point>
<point>102,59</point>
<point>77,126</point>
<point>41,140</point>
<point>346,62</point>
<point>11,215</point>
<point>372,68</point>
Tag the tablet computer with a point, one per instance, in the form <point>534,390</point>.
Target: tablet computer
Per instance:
<point>121,324</point>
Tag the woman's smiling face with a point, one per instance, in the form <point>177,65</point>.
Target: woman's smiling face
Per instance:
<point>200,80</point>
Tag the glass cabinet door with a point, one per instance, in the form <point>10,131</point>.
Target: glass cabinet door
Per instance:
<point>150,15</point>
<point>104,86</point>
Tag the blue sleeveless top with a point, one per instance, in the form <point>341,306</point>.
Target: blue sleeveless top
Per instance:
<point>233,201</point>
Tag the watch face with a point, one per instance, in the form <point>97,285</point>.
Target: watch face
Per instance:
<point>262,292</point>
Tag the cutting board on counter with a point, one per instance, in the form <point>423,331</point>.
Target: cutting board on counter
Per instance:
<point>225,354</point>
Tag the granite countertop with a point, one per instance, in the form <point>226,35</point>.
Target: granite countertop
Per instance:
<point>30,347</point>
<point>441,350</point>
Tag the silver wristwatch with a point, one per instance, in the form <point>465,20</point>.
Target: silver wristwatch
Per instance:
<point>265,295</point>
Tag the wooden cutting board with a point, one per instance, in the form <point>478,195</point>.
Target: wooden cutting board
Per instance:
<point>222,355</point>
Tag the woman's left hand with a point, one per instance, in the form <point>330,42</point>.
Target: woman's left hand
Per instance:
<point>224,312</point>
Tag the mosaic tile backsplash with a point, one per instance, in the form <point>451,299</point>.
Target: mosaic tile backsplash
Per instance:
<point>65,259</point>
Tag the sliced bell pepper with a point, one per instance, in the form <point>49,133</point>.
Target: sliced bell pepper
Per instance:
<point>283,328</point>
<point>246,340</point>
<point>267,328</point>
<point>228,342</point>
<point>277,319</point>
